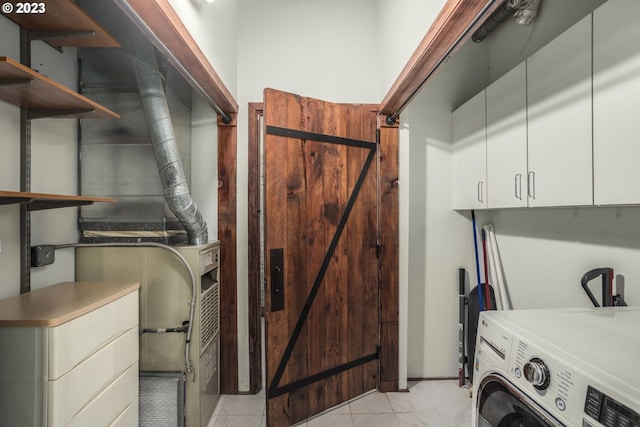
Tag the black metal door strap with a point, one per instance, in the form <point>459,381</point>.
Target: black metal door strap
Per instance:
<point>275,389</point>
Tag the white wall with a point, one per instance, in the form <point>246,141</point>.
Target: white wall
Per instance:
<point>544,252</point>
<point>402,24</point>
<point>9,174</point>
<point>54,166</point>
<point>54,170</point>
<point>439,237</point>
<point>325,50</point>
<point>213,27</point>
<point>204,163</point>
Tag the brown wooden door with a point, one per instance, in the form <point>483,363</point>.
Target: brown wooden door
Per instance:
<point>322,318</point>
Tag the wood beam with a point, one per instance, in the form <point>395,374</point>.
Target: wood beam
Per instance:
<point>168,33</point>
<point>388,263</point>
<point>455,24</point>
<point>255,310</point>
<point>227,226</point>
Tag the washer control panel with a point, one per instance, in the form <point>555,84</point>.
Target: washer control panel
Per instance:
<point>609,412</point>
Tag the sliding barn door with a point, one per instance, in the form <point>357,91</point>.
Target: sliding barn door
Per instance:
<point>322,318</point>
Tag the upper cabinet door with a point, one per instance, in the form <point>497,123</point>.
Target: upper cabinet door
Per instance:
<point>470,154</point>
<point>616,90</point>
<point>559,120</point>
<point>507,140</point>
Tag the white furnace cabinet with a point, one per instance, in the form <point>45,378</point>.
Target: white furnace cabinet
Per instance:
<point>165,294</point>
<point>69,356</point>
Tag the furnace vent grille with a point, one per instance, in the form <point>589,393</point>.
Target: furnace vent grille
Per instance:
<point>209,316</point>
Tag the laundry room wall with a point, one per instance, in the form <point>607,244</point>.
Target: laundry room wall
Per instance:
<point>325,50</point>
<point>544,251</point>
<point>54,170</point>
<point>333,50</point>
<point>438,239</point>
<point>402,24</point>
<point>214,28</point>
<point>9,174</point>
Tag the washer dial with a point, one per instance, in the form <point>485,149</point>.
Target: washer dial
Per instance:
<point>537,373</point>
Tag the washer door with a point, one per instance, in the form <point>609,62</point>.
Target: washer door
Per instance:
<point>500,404</point>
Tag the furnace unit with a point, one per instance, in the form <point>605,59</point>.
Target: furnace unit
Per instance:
<point>165,296</point>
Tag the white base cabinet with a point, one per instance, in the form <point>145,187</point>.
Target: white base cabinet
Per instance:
<point>616,90</point>
<point>69,356</point>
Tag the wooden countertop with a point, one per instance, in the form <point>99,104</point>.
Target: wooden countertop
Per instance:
<point>59,303</point>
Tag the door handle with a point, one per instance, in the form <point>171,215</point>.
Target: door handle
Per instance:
<point>518,185</point>
<point>531,187</point>
<point>480,195</point>
<point>276,257</point>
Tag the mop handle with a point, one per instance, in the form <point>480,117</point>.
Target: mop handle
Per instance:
<point>487,290</point>
<point>475,247</point>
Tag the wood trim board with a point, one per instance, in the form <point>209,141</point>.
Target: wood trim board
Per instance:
<point>456,22</point>
<point>388,263</point>
<point>255,311</point>
<point>171,36</point>
<point>227,225</point>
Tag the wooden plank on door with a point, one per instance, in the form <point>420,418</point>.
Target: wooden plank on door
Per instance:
<point>321,203</point>
<point>389,249</point>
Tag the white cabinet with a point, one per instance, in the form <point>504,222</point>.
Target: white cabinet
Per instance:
<point>69,356</point>
<point>470,154</point>
<point>507,140</point>
<point>616,90</point>
<point>559,120</point>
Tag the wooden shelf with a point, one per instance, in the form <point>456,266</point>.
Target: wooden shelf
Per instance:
<point>41,201</point>
<point>63,23</point>
<point>22,86</point>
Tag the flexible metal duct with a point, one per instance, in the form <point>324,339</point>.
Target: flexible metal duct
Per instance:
<point>523,12</point>
<point>163,140</point>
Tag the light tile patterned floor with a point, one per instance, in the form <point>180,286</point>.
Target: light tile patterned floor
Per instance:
<point>438,403</point>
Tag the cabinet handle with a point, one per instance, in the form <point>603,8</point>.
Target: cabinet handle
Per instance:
<point>518,185</point>
<point>531,188</point>
<point>480,198</point>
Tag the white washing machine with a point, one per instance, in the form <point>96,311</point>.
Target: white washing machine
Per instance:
<point>558,367</point>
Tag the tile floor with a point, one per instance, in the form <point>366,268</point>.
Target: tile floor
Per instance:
<point>438,403</point>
